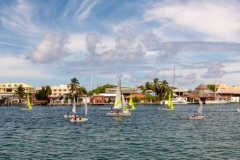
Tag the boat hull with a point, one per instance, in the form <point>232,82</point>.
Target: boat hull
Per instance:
<point>79,120</point>
<point>118,114</point>
<point>217,102</point>
<point>195,117</point>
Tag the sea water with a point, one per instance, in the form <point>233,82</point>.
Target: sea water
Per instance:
<point>149,133</point>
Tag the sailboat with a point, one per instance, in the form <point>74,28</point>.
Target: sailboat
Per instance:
<point>198,116</point>
<point>119,104</point>
<point>131,104</point>
<point>170,106</point>
<point>74,110</point>
<point>29,106</point>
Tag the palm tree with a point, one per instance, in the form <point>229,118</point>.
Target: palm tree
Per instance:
<point>164,89</point>
<point>156,86</point>
<point>74,85</point>
<point>20,91</point>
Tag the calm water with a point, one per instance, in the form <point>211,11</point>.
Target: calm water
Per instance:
<point>149,133</point>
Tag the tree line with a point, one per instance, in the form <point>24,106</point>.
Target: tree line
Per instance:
<point>160,88</point>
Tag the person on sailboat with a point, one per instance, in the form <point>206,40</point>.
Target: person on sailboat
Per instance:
<point>117,112</point>
<point>111,110</point>
<point>75,117</point>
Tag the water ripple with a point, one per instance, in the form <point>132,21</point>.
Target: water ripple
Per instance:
<point>149,133</point>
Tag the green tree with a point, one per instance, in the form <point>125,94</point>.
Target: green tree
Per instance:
<point>48,90</point>
<point>44,93</point>
<point>74,85</point>
<point>164,89</point>
<point>101,89</point>
<point>41,94</point>
<point>20,91</point>
<point>147,86</point>
<point>211,87</point>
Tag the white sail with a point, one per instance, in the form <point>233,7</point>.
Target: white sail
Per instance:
<point>74,109</point>
<point>85,103</point>
<point>200,106</point>
<point>118,97</point>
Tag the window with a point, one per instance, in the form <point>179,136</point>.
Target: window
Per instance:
<point>9,90</point>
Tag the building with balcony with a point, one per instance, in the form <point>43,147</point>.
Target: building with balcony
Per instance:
<point>57,91</point>
<point>9,89</point>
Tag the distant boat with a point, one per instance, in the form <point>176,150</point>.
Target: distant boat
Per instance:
<point>73,110</point>
<point>120,106</point>
<point>238,110</point>
<point>170,106</point>
<point>198,116</point>
<point>175,100</point>
<point>131,104</point>
<point>79,119</point>
<point>28,106</point>
<point>216,101</point>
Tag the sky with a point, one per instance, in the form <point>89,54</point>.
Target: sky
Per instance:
<point>46,42</point>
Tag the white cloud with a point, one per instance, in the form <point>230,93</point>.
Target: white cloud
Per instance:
<point>76,43</point>
<point>85,9</point>
<point>50,49</point>
<point>18,18</point>
<point>18,67</point>
<point>215,21</point>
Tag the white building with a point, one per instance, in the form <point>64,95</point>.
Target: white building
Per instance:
<point>57,90</point>
<point>9,89</point>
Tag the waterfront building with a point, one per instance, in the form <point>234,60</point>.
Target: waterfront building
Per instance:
<point>109,96</point>
<point>9,89</point>
<point>57,91</point>
<point>203,92</point>
<point>8,92</point>
<point>231,93</point>
<point>125,90</point>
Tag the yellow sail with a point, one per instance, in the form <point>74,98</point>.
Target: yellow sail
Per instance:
<point>28,102</point>
<point>131,102</point>
<point>170,104</point>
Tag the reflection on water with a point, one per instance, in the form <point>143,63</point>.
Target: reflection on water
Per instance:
<point>149,133</point>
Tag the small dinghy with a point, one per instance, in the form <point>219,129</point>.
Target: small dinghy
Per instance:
<point>195,116</point>
<point>170,106</point>
<point>74,110</point>
<point>120,106</point>
<point>28,106</point>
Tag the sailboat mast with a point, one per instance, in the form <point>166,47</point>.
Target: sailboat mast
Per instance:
<point>216,74</point>
<point>121,94</point>
<point>173,75</point>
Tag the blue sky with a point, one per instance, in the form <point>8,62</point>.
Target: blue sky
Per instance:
<point>46,42</point>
